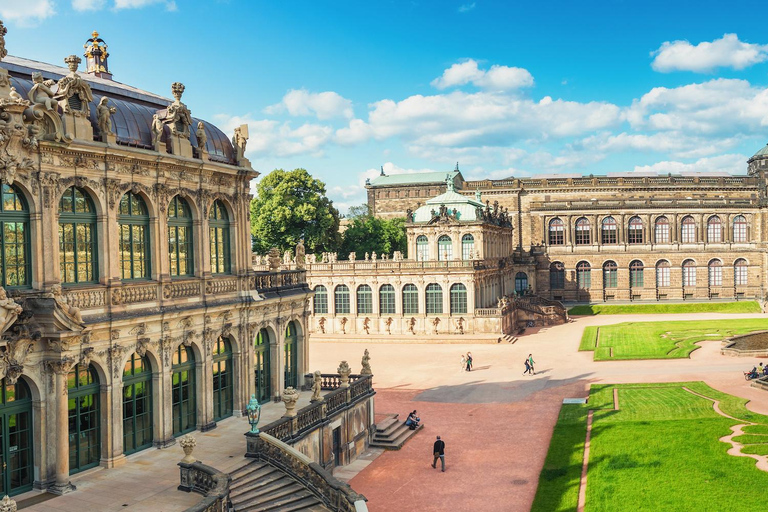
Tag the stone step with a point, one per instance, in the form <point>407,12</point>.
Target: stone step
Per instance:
<point>397,441</point>
<point>249,466</point>
<point>386,427</point>
<point>301,500</point>
<point>248,479</point>
<point>279,489</point>
<point>258,485</point>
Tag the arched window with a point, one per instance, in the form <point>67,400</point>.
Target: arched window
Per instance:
<point>661,230</point>
<point>321,300</point>
<point>410,299</point>
<point>341,300</point>
<point>261,366</point>
<point>84,415</point>
<point>556,232</point>
<point>387,299</point>
<point>364,300</point>
<point>583,275</point>
<point>133,218</point>
<point>422,248</point>
<point>635,235</point>
<point>434,299</point>
<point>137,404</point>
<point>610,274</point>
<point>715,273</point>
<point>583,232</point>
<point>739,229</point>
<point>77,237</point>
<point>662,273</point>
<point>467,247</point>
<point>291,376</point>
<point>689,273</point>
<point>714,230</point>
<point>458,299</point>
<point>740,272</point>
<point>688,230</point>
<point>180,249</point>
<point>183,393</point>
<point>444,248</point>
<point>18,460</point>
<point>636,274</point>
<point>521,282</point>
<point>218,225</point>
<point>556,276</point>
<point>222,379</point>
<point>609,230</point>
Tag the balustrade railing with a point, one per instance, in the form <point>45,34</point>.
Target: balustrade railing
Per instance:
<point>335,400</point>
<point>309,416</point>
<point>288,279</point>
<point>181,289</point>
<point>134,293</point>
<point>218,285</point>
<point>86,299</point>
<point>208,481</point>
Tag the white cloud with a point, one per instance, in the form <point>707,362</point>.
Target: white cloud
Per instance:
<point>26,12</point>
<point>170,5</point>
<point>674,143</point>
<point>88,5</point>
<point>498,78</point>
<point>729,163</point>
<point>727,52</point>
<point>323,105</point>
<point>467,7</point>
<point>273,138</point>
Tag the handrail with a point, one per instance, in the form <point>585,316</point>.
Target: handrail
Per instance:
<point>208,481</point>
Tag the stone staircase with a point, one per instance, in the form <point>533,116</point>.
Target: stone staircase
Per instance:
<point>391,434</point>
<point>261,487</point>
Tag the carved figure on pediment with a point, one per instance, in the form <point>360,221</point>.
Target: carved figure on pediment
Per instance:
<point>435,323</point>
<point>352,256</point>
<point>321,324</point>
<point>274,260</point>
<point>41,93</point>
<point>71,311</point>
<point>388,323</point>
<point>104,115</point>
<point>239,141</point>
<point>15,95</point>
<point>412,326</point>
<point>300,254</point>
<point>366,364</point>
<point>73,93</point>
<point>408,215</point>
<point>9,311</point>
<point>317,386</point>
<point>177,116</point>
<point>202,138</point>
<point>460,325</point>
<point>13,358</point>
<point>3,31</point>
<point>373,256</point>
<point>344,325</point>
<point>367,325</point>
<point>157,131</point>
<point>397,256</point>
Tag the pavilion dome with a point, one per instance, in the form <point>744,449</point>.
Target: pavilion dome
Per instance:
<point>465,206</point>
<point>763,153</point>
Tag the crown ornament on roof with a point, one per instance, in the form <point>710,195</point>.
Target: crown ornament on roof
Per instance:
<point>96,55</point>
<point>177,89</point>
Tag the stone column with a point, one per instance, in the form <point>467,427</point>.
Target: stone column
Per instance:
<point>60,370</point>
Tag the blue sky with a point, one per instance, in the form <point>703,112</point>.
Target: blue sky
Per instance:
<point>506,89</point>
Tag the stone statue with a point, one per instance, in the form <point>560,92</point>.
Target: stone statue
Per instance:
<point>300,254</point>
<point>436,322</point>
<point>367,256</point>
<point>3,31</point>
<point>15,95</point>
<point>344,325</point>
<point>239,140</point>
<point>412,326</point>
<point>41,93</point>
<point>373,256</point>
<point>202,138</point>
<point>177,116</point>
<point>73,93</point>
<point>321,324</point>
<point>104,114</point>
<point>352,256</point>
<point>388,323</point>
<point>287,258</point>
<point>71,311</point>
<point>397,256</point>
<point>366,363</point>
<point>274,260</point>
<point>311,258</point>
<point>9,311</point>
<point>157,131</point>
<point>317,384</point>
<point>367,325</point>
<point>460,325</point>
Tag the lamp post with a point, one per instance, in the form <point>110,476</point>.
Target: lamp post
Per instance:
<point>254,413</point>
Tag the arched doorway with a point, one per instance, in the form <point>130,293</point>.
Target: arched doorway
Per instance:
<point>16,450</point>
<point>222,379</point>
<point>521,283</point>
<point>137,404</point>
<point>291,356</point>
<point>84,432</point>
<point>183,394</point>
<point>261,366</point>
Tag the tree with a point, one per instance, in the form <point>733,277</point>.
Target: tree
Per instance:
<point>289,206</point>
<point>366,233</point>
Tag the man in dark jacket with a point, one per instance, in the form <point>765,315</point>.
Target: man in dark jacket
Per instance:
<point>439,452</point>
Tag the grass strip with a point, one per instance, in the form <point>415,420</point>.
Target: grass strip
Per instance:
<point>660,308</point>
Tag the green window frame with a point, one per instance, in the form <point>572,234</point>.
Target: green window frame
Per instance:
<point>223,389</point>
<point>583,275</point>
<point>78,253</point>
<point>434,299</point>
<point>467,247</point>
<point>444,248</point>
<point>387,299</point>
<point>15,254</point>
<point>610,274</point>
<point>262,366</point>
<point>218,224</point>
<point>320,304</point>
<point>458,299</point>
<point>17,472</point>
<point>84,418</point>
<point>341,300</point>
<point>183,392</point>
<point>137,404</point>
<point>364,300</point>
<point>422,248</point>
<point>636,269</point>
<point>133,220</point>
<point>291,355</point>
<point>180,238</point>
<point>410,300</point>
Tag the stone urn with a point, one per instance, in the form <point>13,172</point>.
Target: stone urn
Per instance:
<point>7,505</point>
<point>188,444</point>
<point>344,371</point>
<point>290,397</point>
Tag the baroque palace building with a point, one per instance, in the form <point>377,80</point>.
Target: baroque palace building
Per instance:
<point>129,309</point>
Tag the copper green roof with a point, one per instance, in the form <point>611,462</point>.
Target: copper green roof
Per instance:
<point>763,152</point>
<point>413,178</point>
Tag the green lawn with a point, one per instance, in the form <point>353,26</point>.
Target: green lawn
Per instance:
<point>659,452</point>
<point>661,340</point>
<point>661,308</point>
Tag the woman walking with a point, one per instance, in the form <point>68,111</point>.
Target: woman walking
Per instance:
<point>530,362</point>
<point>469,361</point>
<point>463,362</point>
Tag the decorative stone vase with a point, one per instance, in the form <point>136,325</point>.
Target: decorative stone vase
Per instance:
<point>344,371</point>
<point>188,444</point>
<point>7,505</point>
<point>290,397</point>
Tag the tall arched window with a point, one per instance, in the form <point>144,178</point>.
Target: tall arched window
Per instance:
<point>17,469</point>
<point>689,273</point>
<point>364,300</point>
<point>521,282</point>
<point>467,247</point>
<point>133,218</point>
<point>261,366</point>
<point>223,390</point>
<point>341,300</point>
<point>610,274</point>
<point>583,232</point>
<point>180,250</point>
<point>84,415</point>
<point>635,234</point>
<point>387,299</point>
<point>583,275</point>
<point>14,253</point>
<point>609,231</point>
<point>714,230</point>
<point>740,269</point>
<point>661,230</point>
<point>77,237</point>
<point>291,374</point>
<point>715,273</point>
<point>137,404</point>
<point>458,299</point>
<point>688,230</point>
<point>556,276</point>
<point>662,274</point>
<point>218,225</point>
<point>444,248</point>
<point>183,393</point>
<point>739,229</point>
<point>556,232</point>
<point>422,248</point>
<point>434,299</point>
<point>636,274</point>
<point>410,299</point>
<point>320,305</point>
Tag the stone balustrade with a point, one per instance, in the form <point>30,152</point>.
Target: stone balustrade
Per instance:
<point>208,481</point>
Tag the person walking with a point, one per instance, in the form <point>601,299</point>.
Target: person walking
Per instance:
<point>469,361</point>
<point>439,453</point>
<point>463,362</point>
<point>530,362</point>
<point>527,366</point>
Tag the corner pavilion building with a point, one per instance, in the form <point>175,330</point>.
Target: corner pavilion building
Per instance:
<point>129,311</point>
